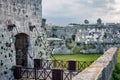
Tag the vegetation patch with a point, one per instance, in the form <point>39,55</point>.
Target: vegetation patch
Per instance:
<point>116,72</point>
<point>69,47</point>
<point>77,57</point>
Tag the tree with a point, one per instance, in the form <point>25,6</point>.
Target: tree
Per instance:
<point>99,21</point>
<point>74,24</point>
<point>86,21</point>
<point>73,37</point>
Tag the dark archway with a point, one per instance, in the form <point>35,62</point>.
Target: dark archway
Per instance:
<point>21,47</point>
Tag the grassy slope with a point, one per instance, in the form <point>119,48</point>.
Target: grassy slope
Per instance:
<point>118,56</point>
<point>78,57</point>
<point>116,72</point>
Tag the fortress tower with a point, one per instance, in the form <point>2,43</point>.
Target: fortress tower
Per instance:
<point>22,35</point>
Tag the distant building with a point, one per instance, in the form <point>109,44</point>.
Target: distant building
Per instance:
<point>100,36</point>
<point>58,46</point>
<point>63,32</point>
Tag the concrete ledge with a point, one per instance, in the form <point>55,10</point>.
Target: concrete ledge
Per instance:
<point>101,69</point>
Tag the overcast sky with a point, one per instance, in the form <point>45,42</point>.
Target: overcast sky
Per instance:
<point>76,11</point>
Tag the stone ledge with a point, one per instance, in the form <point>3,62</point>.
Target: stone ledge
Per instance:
<point>101,69</point>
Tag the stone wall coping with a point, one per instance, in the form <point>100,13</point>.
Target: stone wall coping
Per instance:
<point>95,70</point>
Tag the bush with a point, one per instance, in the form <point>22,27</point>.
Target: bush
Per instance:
<point>116,72</point>
<point>69,47</point>
<point>78,43</point>
<point>116,76</point>
<point>75,51</point>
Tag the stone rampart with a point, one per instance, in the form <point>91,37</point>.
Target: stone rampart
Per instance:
<point>101,69</point>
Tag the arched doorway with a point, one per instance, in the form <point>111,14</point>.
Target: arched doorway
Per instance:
<point>21,47</point>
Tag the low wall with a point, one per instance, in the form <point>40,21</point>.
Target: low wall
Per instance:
<point>101,69</point>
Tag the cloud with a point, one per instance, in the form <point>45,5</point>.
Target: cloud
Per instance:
<point>66,11</point>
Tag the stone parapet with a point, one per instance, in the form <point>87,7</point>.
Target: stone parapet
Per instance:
<point>101,69</point>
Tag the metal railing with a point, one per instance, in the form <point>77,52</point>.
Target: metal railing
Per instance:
<point>44,74</point>
<point>37,74</point>
<point>80,65</point>
<point>49,69</point>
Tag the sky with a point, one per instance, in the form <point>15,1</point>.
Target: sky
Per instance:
<point>76,11</point>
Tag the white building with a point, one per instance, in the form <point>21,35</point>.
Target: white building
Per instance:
<point>100,36</point>
<point>58,46</point>
<point>63,32</point>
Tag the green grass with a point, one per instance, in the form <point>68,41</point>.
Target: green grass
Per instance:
<point>116,72</point>
<point>118,60</point>
<point>77,57</point>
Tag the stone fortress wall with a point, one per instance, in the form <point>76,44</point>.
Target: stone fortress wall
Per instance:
<point>88,38</point>
<point>21,17</point>
<point>101,69</point>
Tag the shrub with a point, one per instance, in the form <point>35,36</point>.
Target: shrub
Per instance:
<point>78,43</point>
<point>75,50</point>
<point>116,72</point>
<point>69,47</point>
